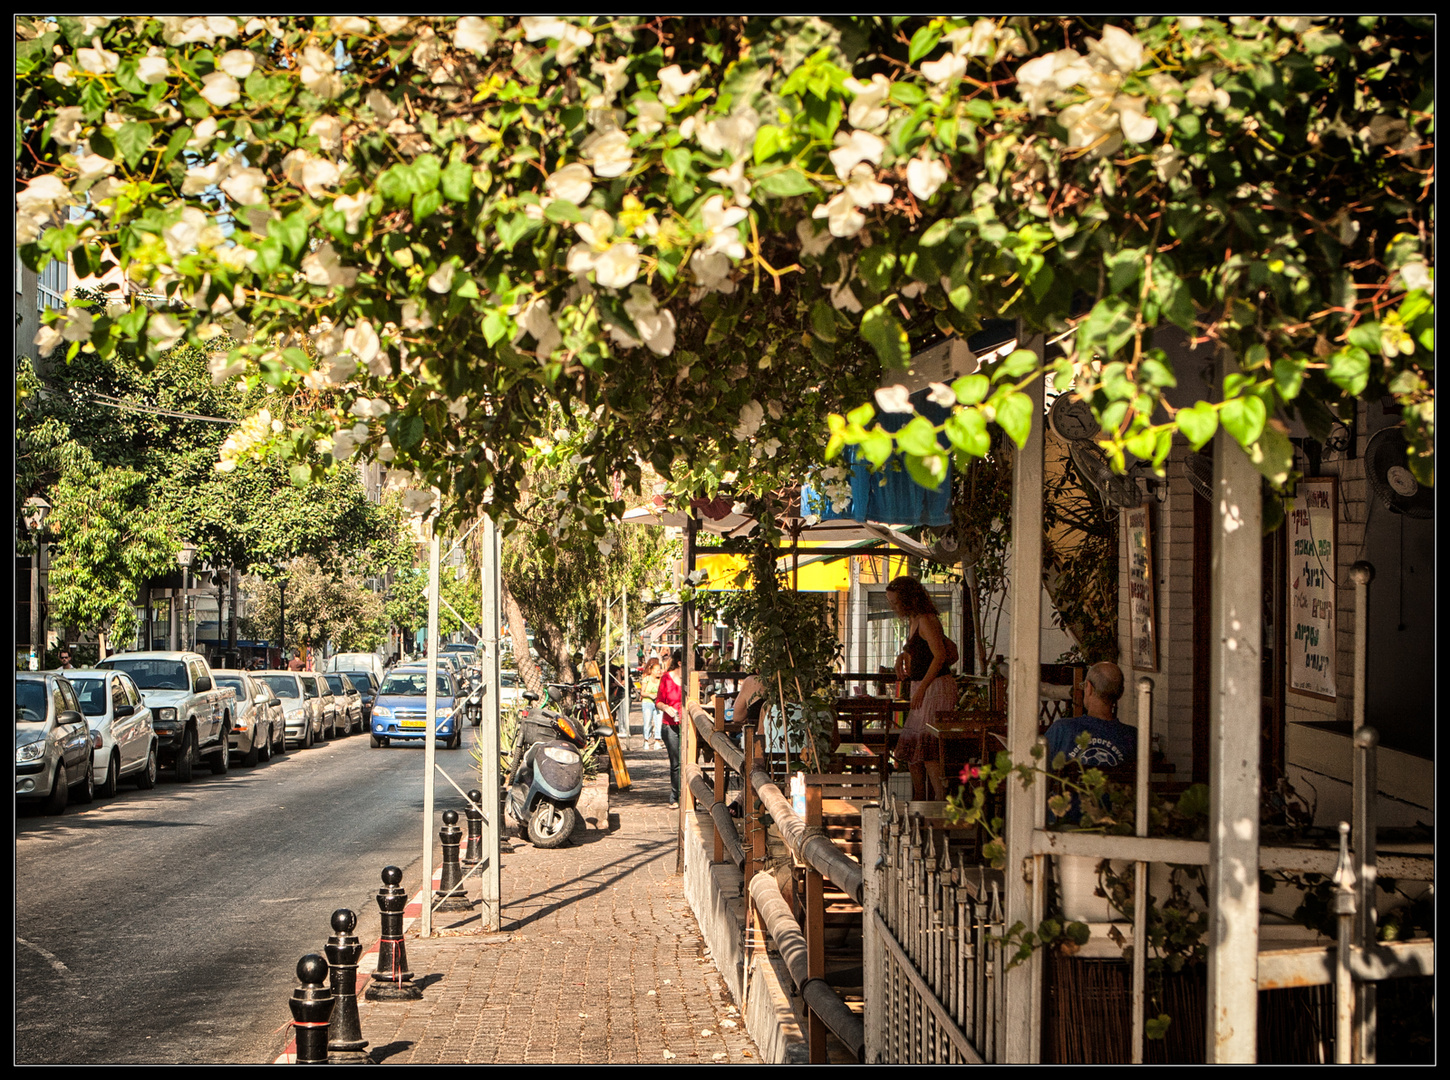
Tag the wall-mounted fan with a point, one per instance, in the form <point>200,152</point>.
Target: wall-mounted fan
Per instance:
<point>1199,470</point>
<point>1387,468</point>
<point>1071,420</point>
<point>951,548</point>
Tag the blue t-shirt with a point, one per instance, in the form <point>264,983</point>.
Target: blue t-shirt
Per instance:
<point>1112,743</point>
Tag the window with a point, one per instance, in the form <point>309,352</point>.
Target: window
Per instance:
<point>51,286</point>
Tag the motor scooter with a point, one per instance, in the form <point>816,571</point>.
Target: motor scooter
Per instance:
<point>546,772</point>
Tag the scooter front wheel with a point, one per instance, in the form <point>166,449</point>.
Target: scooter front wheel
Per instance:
<point>550,825</point>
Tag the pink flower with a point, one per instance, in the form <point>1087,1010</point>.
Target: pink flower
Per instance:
<point>969,773</point>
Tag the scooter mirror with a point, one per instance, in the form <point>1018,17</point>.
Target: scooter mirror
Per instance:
<point>529,695</point>
<point>602,732</point>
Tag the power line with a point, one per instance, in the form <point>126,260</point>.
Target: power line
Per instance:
<point>128,406</point>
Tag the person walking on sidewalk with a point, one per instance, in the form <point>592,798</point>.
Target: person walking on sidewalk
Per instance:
<point>649,688</point>
<point>671,704</point>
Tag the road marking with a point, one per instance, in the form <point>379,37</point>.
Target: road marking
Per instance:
<point>284,900</point>
<point>50,957</point>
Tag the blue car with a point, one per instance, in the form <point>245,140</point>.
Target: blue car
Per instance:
<point>400,709</point>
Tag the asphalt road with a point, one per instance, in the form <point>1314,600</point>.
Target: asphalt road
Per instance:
<point>165,926</point>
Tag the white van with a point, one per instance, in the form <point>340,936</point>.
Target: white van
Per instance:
<point>356,661</point>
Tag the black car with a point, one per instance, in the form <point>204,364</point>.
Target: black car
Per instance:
<point>367,685</point>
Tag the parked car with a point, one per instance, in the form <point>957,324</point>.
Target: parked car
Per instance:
<point>355,661</point>
<point>509,688</point>
<point>53,758</point>
<point>191,714</point>
<point>258,728</point>
<point>332,723</point>
<point>400,711</point>
<point>366,684</point>
<point>302,714</point>
<point>349,703</point>
<point>123,739</point>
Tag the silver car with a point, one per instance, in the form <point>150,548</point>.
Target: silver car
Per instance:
<point>349,703</point>
<point>258,728</point>
<point>333,723</point>
<point>52,742</point>
<point>302,711</point>
<point>123,741</point>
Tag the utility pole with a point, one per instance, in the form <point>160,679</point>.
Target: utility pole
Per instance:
<point>491,781</point>
<point>430,748</point>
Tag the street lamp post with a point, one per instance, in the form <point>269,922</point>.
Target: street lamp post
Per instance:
<point>282,619</point>
<point>36,511</point>
<point>186,557</point>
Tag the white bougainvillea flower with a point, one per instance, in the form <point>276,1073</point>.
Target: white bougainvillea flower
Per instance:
<point>573,183</point>
<point>894,399</point>
<point>223,368</point>
<point>181,30</point>
<point>163,331</point>
<point>541,27</point>
<point>1167,161</point>
<point>974,40</point>
<point>614,78</point>
<point>473,34</point>
<point>1202,93</point>
<point>417,502</point>
<point>152,69</point>
<point>221,89</point>
<point>313,174</point>
<point>1119,48</point>
<point>946,71</point>
<point>1137,126</point>
<point>842,217</point>
<point>721,234</point>
<point>327,130</point>
<point>572,42</point>
<point>193,231</point>
<point>814,242</point>
<point>675,84</point>
<point>92,167</point>
<point>1092,123</point>
<point>416,316</point>
<point>654,323</point>
<point>712,271</point>
<point>64,74</point>
<point>597,231</point>
<point>867,104</point>
<point>580,259</point>
<point>46,339</point>
<point>370,408</point>
<point>924,176</point>
<point>202,134</point>
<point>322,267</point>
<point>609,153</point>
<point>343,444</point>
<point>238,63</point>
<point>537,320</point>
<point>361,340</point>
<point>734,135</point>
<point>855,148</point>
<point>441,279</point>
<point>843,299</point>
<point>353,25</point>
<point>618,267</point>
<point>98,60</point>
<point>752,413</point>
<point>352,208</point>
<point>317,72</point>
<point>65,129</point>
<point>734,179</point>
<point>864,189</point>
<point>651,116</point>
<point>941,394</point>
<point>245,186</point>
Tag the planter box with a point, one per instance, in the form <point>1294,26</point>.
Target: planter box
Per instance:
<point>594,803</point>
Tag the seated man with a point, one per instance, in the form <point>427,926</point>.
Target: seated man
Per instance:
<point>1110,743</point>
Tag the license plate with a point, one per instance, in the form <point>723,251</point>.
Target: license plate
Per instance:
<point>413,723</point>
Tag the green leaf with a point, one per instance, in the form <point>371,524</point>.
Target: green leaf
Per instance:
<point>971,389</point>
<point>876,264</point>
<point>823,320</point>
<point>918,437</point>
<point>514,228</point>
<point>1108,327</point>
<point>1349,369</point>
<point>174,145</point>
<point>457,181</point>
<point>768,142</point>
<point>1198,423</point>
<point>426,172</point>
<point>677,161</point>
<point>1014,416</point>
<point>876,446</point>
<point>885,334</point>
<point>291,231</point>
<point>928,471</point>
<point>1366,335</point>
<point>1289,376</point>
<point>1155,372</point>
<point>1273,455</point>
<point>939,231</point>
<point>967,430</point>
<point>1015,365</point>
<point>426,204</point>
<point>562,210</point>
<point>133,139</point>
<point>861,415</point>
<point>785,183</point>
<point>397,184</point>
<point>923,41</point>
<point>1157,1027</point>
<point>1243,418</point>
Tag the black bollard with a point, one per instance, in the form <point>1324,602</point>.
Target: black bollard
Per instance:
<point>452,877</point>
<point>311,1006</point>
<point>392,981</point>
<point>474,816</point>
<point>345,1044</point>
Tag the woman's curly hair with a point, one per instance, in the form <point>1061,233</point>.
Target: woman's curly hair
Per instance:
<point>915,600</point>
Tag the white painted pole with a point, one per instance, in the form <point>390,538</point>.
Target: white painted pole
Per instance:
<point>1023,984</point>
<point>489,732</point>
<point>1235,641</point>
<point>624,652</point>
<point>430,750</point>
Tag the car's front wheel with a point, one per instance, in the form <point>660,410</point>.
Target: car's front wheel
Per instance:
<point>186,757</point>
<point>113,778</point>
<point>59,792</point>
<point>86,789</point>
<point>146,778</point>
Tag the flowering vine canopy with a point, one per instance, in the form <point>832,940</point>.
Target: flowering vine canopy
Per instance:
<point>709,236</point>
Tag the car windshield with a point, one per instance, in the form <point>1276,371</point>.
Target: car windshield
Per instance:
<point>282,685</point>
<point>153,674</point>
<point>413,684</point>
<point>360,680</point>
<point>29,702</point>
<point>231,682</point>
<point>93,695</point>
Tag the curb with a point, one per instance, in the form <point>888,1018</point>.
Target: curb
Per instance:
<point>368,962</point>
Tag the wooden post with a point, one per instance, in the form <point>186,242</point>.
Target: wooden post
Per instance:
<point>719,855</point>
<point>1023,984</point>
<point>815,927</point>
<point>1235,641</point>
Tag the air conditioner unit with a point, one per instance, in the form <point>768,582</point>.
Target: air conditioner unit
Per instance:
<point>943,362</point>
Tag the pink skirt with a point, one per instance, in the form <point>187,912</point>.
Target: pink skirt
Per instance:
<point>941,696</point>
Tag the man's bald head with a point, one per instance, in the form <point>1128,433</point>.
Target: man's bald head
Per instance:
<point>1107,681</point>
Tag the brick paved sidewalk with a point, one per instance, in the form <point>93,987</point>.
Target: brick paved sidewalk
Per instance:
<point>601,960</point>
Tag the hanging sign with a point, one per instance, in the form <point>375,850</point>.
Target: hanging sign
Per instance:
<point>1312,520</point>
<point>1142,601</point>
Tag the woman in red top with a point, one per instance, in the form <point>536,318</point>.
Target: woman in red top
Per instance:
<point>669,702</point>
<point>925,663</point>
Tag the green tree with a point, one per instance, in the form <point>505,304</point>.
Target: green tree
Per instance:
<point>322,606</point>
<point>711,232</point>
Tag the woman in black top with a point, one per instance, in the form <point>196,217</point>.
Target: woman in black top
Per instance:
<point>924,663</point>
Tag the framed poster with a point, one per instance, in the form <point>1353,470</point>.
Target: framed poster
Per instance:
<point>1142,599</point>
<point>1313,542</point>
